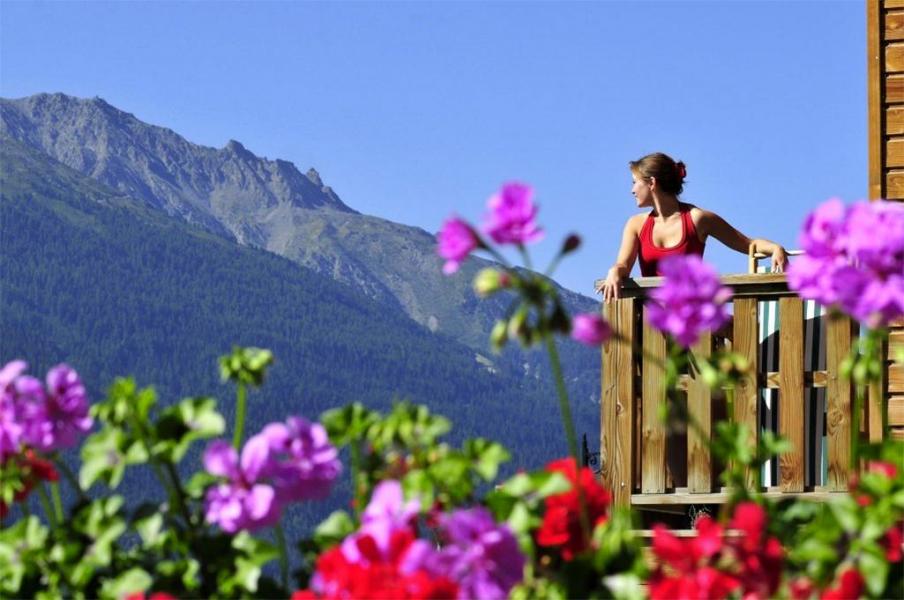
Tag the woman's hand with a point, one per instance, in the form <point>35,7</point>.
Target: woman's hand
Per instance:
<point>610,286</point>
<point>779,260</point>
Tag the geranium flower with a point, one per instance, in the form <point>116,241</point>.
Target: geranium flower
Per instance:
<point>10,427</point>
<point>61,417</point>
<point>455,241</point>
<point>378,573</point>
<point>478,554</point>
<point>303,464</point>
<point>386,513</point>
<point>242,502</point>
<point>590,329</point>
<point>561,525</point>
<point>690,301</point>
<point>850,586</point>
<point>33,470</point>
<point>854,260</point>
<point>512,214</point>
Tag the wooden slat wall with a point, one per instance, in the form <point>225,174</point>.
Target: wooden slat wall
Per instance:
<point>653,429</point>
<point>840,337</point>
<point>791,397</point>
<point>747,396</point>
<point>885,86</point>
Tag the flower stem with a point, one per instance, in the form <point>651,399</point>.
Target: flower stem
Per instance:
<point>570,435</point>
<point>355,459</point>
<point>57,501</point>
<point>69,475</point>
<point>240,402</point>
<point>45,502</point>
<point>283,556</point>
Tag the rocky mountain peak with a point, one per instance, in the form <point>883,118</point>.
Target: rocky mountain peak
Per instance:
<point>314,176</point>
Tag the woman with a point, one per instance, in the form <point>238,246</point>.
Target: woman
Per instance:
<point>672,227</point>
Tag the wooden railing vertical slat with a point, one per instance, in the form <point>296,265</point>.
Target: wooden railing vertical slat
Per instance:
<point>617,402</point>
<point>747,394</point>
<point>876,391</point>
<point>699,407</point>
<point>838,395</point>
<point>791,392</point>
<point>653,435</point>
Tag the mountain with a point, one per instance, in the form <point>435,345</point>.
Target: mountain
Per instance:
<point>271,205</point>
<point>95,277</point>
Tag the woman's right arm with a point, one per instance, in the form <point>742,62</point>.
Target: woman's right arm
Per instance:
<point>624,262</point>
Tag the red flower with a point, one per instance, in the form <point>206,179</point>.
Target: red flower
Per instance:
<point>33,470</point>
<point>706,582</point>
<point>892,541</point>
<point>153,596</point>
<point>883,468</point>
<point>562,522</point>
<point>850,587</point>
<point>380,578</point>
<point>801,589</point>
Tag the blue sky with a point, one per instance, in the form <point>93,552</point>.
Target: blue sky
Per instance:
<point>412,111</point>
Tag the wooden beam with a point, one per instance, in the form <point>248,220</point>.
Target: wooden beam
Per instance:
<point>617,410</point>
<point>699,407</point>
<point>791,397</point>
<point>839,334</point>
<point>875,99</point>
<point>653,435</point>
<point>747,395</point>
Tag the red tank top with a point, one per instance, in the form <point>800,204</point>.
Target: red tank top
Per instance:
<point>650,254</point>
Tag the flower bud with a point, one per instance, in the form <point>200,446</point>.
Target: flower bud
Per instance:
<point>489,281</point>
<point>518,327</point>
<point>572,243</point>
<point>499,335</point>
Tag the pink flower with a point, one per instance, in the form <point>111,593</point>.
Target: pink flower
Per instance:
<point>303,464</point>
<point>512,214</point>
<point>456,240</point>
<point>10,427</point>
<point>854,260</point>
<point>242,502</point>
<point>386,513</point>
<point>590,329</point>
<point>690,301</point>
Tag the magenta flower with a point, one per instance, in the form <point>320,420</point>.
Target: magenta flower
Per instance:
<point>854,260</point>
<point>512,214</point>
<point>590,329</point>
<point>241,502</point>
<point>482,557</point>
<point>10,428</point>
<point>62,418</point>
<point>690,301</point>
<point>456,240</point>
<point>303,464</point>
<point>386,512</point>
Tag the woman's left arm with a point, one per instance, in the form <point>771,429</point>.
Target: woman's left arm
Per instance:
<point>712,224</point>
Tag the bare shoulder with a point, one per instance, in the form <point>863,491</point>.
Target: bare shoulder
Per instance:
<point>701,216</point>
<point>635,222</point>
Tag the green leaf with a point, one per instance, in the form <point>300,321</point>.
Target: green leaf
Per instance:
<point>180,425</point>
<point>199,483</point>
<point>105,456</point>
<point>149,529</point>
<point>874,567</point>
<point>487,456</point>
<point>348,424</point>
<point>418,484</point>
<point>132,581</point>
<point>245,365</point>
<point>334,529</point>
<point>625,586</point>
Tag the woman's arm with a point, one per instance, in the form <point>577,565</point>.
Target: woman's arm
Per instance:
<point>712,224</point>
<point>624,262</point>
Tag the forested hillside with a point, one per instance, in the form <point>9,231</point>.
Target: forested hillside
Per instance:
<point>92,277</point>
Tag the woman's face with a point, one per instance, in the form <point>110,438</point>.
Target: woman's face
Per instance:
<point>641,190</point>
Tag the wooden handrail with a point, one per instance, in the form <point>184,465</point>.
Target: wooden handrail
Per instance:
<point>766,286</point>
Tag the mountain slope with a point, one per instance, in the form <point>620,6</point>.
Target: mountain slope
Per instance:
<point>270,204</point>
<point>94,277</point>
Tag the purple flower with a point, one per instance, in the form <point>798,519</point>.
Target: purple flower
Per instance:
<point>854,260</point>
<point>242,502</point>
<point>10,428</point>
<point>690,301</point>
<point>481,556</point>
<point>590,329</point>
<point>456,240</point>
<point>386,512</point>
<point>303,463</point>
<point>512,214</point>
<point>63,416</point>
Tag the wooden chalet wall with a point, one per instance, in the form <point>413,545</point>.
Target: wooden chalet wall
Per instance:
<point>885,74</point>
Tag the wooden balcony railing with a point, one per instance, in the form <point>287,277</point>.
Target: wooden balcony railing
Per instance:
<point>640,460</point>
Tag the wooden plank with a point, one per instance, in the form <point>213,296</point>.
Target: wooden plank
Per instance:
<point>747,395</point>
<point>877,95</point>
<point>875,420</point>
<point>653,433</point>
<point>765,286</point>
<point>894,184</point>
<point>819,495</point>
<point>894,94</point>
<point>895,342</point>
<point>890,4</point>
<point>815,379</point>
<point>839,334</point>
<point>617,399</point>
<point>791,398</point>
<point>896,411</point>
<point>897,434</point>
<point>894,58</point>
<point>699,407</point>
<point>895,379</point>
<point>894,25</point>
<point>894,120</point>
<point>894,152</point>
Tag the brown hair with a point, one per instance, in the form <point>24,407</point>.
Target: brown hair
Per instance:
<point>668,173</point>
